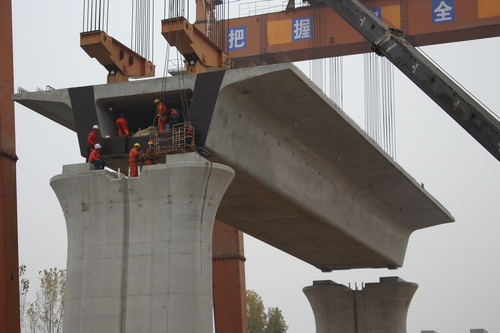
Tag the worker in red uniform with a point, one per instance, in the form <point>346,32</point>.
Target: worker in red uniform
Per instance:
<point>161,110</point>
<point>122,125</point>
<point>150,155</point>
<point>95,157</point>
<point>91,140</point>
<point>134,157</point>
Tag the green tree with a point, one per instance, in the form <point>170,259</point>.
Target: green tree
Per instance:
<point>45,314</point>
<point>256,316</point>
<point>261,322</point>
<point>275,321</point>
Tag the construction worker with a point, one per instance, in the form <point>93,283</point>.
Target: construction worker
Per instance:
<point>122,125</point>
<point>188,136</point>
<point>161,110</point>
<point>174,117</point>
<point>134,157</point>
<point>150,156</point>
<point>91,140</point>
<point>95,157</point>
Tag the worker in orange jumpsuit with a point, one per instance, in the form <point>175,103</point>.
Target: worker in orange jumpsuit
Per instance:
<point>188,136</point>
<point>95,157</point>
<point>91,140</point>
<point>174,117</point>
<point>161,110</point>
<point>122,125</point>
<point>150,156</point>
<point>134,157</point>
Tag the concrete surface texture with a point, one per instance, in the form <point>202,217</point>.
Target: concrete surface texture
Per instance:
<point>139,249</point>
<point>377,308</point>
<point>316,185</point>
<point>309,180</point>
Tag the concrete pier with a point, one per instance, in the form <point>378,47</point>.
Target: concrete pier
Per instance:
<point>377,308</point>
<point>139,249</point>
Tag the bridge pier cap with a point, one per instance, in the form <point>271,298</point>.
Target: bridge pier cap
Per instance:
<point>139,249</point>
<point>378,307</point>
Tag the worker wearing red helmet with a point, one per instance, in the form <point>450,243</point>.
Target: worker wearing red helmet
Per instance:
<point>134,157</point>
<point>174,117</point>
<point>92,140</point>
<point>122,125</point>
<point>161,110</point>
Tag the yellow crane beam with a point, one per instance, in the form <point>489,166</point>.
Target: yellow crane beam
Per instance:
<point>121,62</point>
<point>201,54</point>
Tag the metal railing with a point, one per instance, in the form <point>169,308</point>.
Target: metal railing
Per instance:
<point>179,139</point>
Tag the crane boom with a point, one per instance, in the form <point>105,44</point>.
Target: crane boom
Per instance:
<point>474,118</point>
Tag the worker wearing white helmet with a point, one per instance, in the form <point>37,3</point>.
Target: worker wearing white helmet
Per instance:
<point>92,140</point>
<point>95,157</point>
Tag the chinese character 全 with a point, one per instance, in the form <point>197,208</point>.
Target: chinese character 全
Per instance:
<point>443,12</point>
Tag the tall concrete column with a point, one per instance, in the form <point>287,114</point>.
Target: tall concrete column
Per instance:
<point>139,249</point>
<point>378,308</point>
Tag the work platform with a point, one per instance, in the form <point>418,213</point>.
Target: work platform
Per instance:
<point>309,181</point>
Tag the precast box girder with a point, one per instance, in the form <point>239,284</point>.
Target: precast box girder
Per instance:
<point>309,180</point>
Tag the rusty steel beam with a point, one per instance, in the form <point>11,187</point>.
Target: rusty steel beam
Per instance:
<point>228,271</point>
<point>269,36</point>
<point>9,275</point>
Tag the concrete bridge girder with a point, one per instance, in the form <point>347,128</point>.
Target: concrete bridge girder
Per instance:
<point>309,180</point>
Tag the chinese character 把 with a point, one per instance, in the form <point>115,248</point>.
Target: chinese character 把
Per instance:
<point>236,38</point>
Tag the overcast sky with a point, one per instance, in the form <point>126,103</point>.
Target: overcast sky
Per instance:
<point>455,265</point>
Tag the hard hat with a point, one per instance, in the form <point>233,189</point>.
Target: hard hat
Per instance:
<point>151,143</point>
<point>156,100</point>
<point>97,146</point>
<point>137,145</point>
<point>95,127</point>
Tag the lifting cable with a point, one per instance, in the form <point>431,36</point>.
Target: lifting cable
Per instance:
<point>327,74</point>
<point>174,9</point>
<point>379,98</point>
<point>95,15</point>
<point>142,28</point>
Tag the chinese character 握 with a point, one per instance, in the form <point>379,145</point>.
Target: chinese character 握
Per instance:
<point>443,12</point>
<point>236,38</point>
<point>302,28</point>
